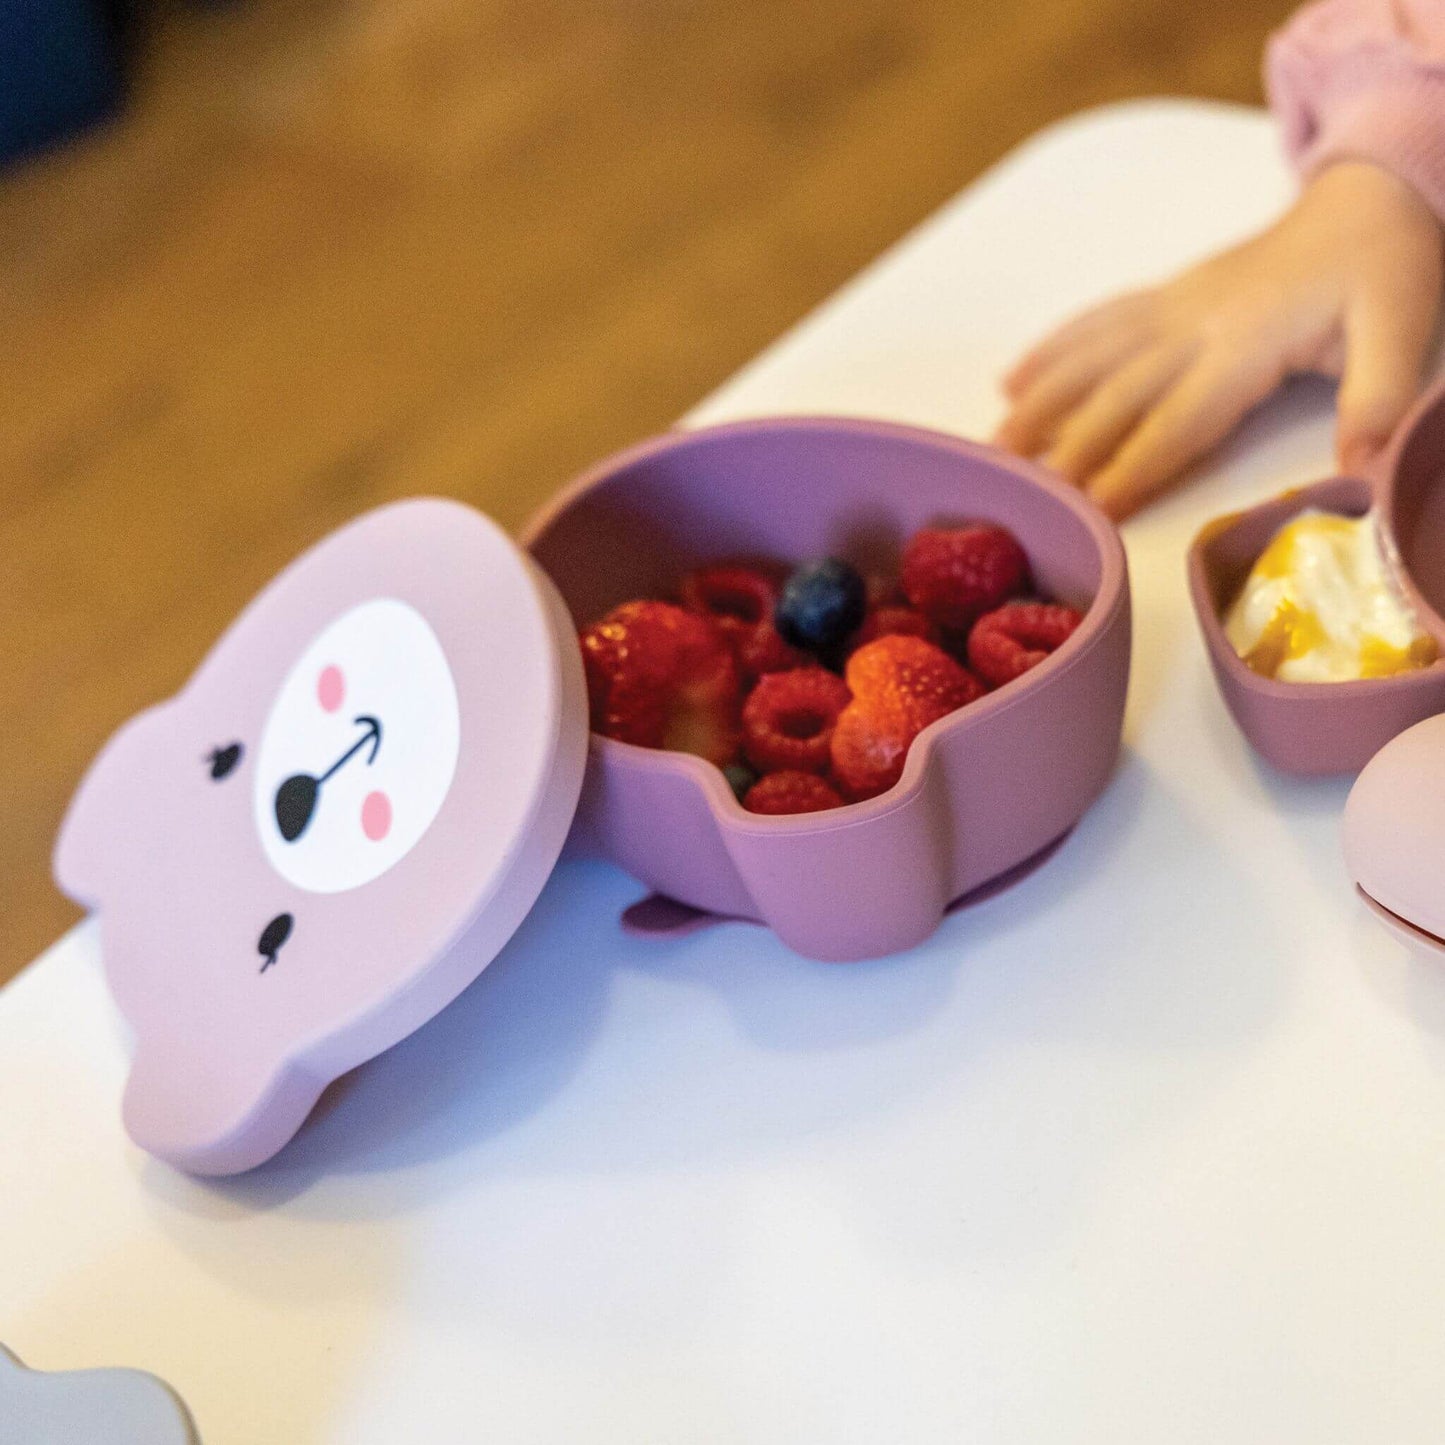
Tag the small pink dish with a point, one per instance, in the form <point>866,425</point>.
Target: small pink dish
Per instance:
<point>1316,728</point>
<point>983,789</point>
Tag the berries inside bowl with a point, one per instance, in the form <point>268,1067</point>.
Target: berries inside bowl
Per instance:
<point>954,751</point>
<point>808,684</point>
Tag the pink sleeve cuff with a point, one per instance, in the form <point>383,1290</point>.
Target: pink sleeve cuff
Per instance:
<point>1399,126</point>
<point>1365,80</point>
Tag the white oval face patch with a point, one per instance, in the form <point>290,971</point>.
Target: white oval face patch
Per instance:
<point>359,749</point>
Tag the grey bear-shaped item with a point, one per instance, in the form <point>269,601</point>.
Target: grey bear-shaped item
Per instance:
<point>89,1407</point>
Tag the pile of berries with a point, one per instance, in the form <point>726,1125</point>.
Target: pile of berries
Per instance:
<point>808,688</point>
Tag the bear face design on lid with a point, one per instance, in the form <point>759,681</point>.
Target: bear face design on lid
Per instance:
<point>328,824</point>
<point>332,828</point>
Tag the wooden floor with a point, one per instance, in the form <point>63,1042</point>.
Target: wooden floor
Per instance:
<point>345,250</point>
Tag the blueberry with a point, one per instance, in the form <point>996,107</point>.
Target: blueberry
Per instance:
<point>740,778</point>
<point>821,606</point>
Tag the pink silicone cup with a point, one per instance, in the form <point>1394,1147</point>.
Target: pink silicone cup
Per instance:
<point>983,789</point>
<point>1316,728</point>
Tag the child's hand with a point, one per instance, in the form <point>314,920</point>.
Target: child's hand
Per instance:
<point>1347,282</point>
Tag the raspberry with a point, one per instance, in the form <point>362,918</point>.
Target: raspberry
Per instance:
<point>1006,643</point>
<point>735,595</point>
<point>955,575</point>
<point>893,620</point>
<point>788,719</point>
<point>739,598</point>
<point>900,685</point>
<point>791,792</point>
<point>661,677</point>
<point>763,650</point>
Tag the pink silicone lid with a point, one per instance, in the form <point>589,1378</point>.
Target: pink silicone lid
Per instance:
<point>334,826</point>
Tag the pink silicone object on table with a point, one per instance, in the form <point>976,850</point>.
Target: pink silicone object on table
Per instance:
<point>1394,835</point>
<point>983,789</point>
<point>260,948</point>
<point>1336,727</point>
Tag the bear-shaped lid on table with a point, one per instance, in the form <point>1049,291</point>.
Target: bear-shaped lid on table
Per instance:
<point>333,827</point>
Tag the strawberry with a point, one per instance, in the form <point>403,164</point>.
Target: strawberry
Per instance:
<point>791,792</point>
<point>893,620</point>
<point>661,677</point>
<point>739,598</point>
<point>788,719</point>
<point>954,575</point>
<point>900,685</point>
<point>1006,643</point>
<point>628,663</point>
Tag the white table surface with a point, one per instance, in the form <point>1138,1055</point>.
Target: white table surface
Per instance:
<point>1147,1149</point>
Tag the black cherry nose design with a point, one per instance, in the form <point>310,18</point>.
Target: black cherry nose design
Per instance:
<point>272,937</point>
<point>297,797</point>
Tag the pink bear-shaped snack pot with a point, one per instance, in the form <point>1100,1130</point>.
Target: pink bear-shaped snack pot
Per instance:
<point>983,789</point>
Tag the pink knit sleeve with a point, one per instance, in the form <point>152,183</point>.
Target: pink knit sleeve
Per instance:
<point>1364,80</point>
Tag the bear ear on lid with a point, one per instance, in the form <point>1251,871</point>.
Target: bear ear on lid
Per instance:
<point>100,817</point>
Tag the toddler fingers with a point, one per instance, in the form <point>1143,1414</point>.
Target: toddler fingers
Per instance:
<point>1200,410</point>
<point>1031,424</point>
<point>1083,328</point>
<point>1388,332</point>
<point>1092,433</point>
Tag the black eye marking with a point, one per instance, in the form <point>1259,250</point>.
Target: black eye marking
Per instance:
<point>272,937</point>
<point>295,803</point>
<point>297,797</point>
<point>223,760</point>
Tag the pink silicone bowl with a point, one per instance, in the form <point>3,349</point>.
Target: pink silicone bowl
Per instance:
<point>983,790</point>
<point>1336,727</point>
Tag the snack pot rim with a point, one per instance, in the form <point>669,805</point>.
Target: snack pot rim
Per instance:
<point>1110,595</point>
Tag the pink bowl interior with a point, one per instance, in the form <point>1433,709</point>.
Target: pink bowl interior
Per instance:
<point>791,490</point>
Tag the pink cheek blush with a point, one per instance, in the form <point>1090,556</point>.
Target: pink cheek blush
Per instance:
<point>376,816</point>
<point>330,688</point>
